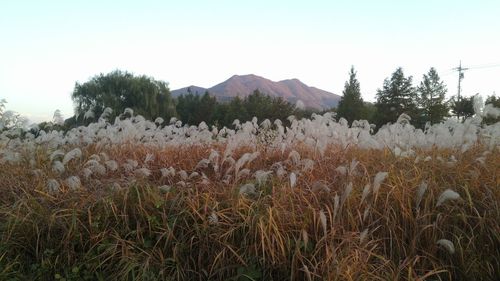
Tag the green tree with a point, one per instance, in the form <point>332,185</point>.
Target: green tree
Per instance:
<point>462,107</point>
<point>119,90</point>
<point>351,106</point>
<point>495,101</point>
<point>397,96</point>
<point>187,106</point>
<point>235,110</point>
<point>432,93</point>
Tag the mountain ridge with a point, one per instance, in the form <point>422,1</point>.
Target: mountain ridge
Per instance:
<point>291,90</point>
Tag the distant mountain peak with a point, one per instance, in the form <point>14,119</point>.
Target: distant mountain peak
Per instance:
<point>291,90</point>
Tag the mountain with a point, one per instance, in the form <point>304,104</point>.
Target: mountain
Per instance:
<point>291,90</point>
<point>194,89</point>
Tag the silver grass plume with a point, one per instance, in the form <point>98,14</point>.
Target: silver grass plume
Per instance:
<point>322,218</point>
<point>53,186</point>
<point>379,178</point>
<point>73,182</point>
<point>448,194</point>
<point>447,244</point>
<point>73,154</point>
<point>420,194</point>
<point>293,179</point>
<point>247,189</point>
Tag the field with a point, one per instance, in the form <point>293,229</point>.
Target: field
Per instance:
<point>310,200</point>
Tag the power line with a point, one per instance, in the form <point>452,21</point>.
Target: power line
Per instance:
<point>485,66</point>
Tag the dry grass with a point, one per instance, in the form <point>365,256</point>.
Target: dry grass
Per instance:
<point>211,232</point>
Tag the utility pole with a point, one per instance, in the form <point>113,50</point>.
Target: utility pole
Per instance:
<point>460,70</point>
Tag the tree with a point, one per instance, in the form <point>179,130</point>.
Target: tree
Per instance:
<point>351,106</point>
<point>397,96</point>
<point>432,92</point>
<point>463,107</point>
<point>495,101</point>
<point>119,90</point>
<point>186,107</point>
<point>10,120</point>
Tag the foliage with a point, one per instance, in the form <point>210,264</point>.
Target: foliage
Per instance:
<point>10,120</point>
<point>351,106</point>
<point>397,96</point>
<point>119,90</point>
<point>462,107</point>
<point>431,97</point>
<point>495,101</point>
<point>192,109</point>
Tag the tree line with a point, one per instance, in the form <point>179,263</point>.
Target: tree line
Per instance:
<point>425,103</point>
<point>151,98</point>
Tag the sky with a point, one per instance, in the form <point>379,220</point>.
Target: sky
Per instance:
<point>48,46</point>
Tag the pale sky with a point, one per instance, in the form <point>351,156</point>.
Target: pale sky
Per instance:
<point>47,46</point>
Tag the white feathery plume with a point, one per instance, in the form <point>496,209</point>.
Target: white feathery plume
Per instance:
<point>159,120</point>
<point>213,218</point>
<point>170,172</point>
<point>294,156</point>
<point>420,194</point>
<point>194,175</point>
<point>353,166</point>
<point>366,213</point>
<point>115,186</point>
<point>53,186</point>
<point>128,111</point>
<point>165,188</point>
<point>247,189</point>
<point>347,192</point>
<point>214,156</point>
<point>281,172</point>
<point>183,174</point>
<point>104,156</point>
<point>73,182</point>
<point>86,173</point>
<point>447,244</point>
<point>56,154</point>
<point>363,235</point>
<point>366,192</point>
<point>322,218</point>
<point>341,170</point>
<point>149,157</point>
<point>307,165</point>
<point>75,153</point>
<point>293,179</point>
<point>203,164</point>
<point>89,114</point>
<point>336,206</point>
<point>243,173</point>
<point>446,195</point>
<point>112,165</point>
<point>142,172</point>
<point>58,167</point>
<point>261,176</point>
<point>379,178</point>
<point>319,187</point>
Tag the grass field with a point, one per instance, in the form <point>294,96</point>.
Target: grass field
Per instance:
<point>316,200</point>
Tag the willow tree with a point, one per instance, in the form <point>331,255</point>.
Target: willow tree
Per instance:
<point>119,90</point>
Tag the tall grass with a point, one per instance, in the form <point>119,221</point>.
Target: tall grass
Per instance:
<point>121,226</point>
